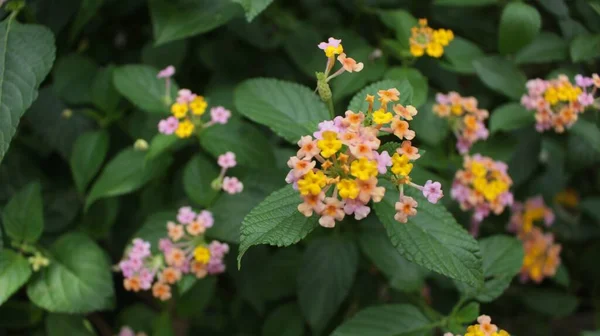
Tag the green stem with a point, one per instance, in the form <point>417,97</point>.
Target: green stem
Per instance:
<point>458,305</point>
<point>330,107</point>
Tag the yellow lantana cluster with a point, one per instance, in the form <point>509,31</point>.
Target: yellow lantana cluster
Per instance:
<point>484,327</point>
<point>425,39</point>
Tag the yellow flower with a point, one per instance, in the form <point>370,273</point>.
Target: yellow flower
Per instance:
<point>382,117</point>
<point>435,49</point>
<point>478,169</point>
<point>202,254</point>
<point>401,165</point>
<point>416,50</point>
<point>330,144</point>
<point>457,110</point>
<point>185,129</point>
<point>480,184</point>
<point>179,110</point>
<point>198,105</point>
<point>348,188</point>
<point>332,51</point>
<point>551,96</point>
<point>363,169</point>
<point>474,330</point>
<point>443,36</point>
<point>311,183</point>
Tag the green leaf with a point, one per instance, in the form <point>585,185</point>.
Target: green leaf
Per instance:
<point>401,22</point>
<point>88,154</point>
<point>285,320</point>
<point>126,172</point>
<point>466,3</point>
<point>275,221</point>
<point>358,102</point>
<point>87,11</point>
<point>289,109</point>
<point>23,216</point>
<point>585,47</point>
<point>501,75</point>
<point>198,174</point>
<point>172,53</point>
<point>301,47</point>
<point>546,48</point>
<point>161,143</point>
<point>325,277</point>
<point>562,276</point>
<point>175,20</point>
<point>196,299</point>
<point>520,23</point>
<point>460,54</point>
<point>138,83</point>
<point>163,325</point>
<point>549,301</point>
<point>415,78</point>
<point>502,260</point>
<point>510,116</point>
<point>425,121</point>
<point>432,238</point>
<point>402,274</point>
<point>20,315</point>
<point>154,228</point>
<point>591,206</point>
<point>233,137</point>
<point>104,94</point>
<point>14,273</point>
<point>468,313</point>
<point>385,320</point>
<point>589,132</point>
<point>25,59</point>
<point>78,279</point>
<point>253,7</point>
<point>72,325</point>
<point>73,78</point>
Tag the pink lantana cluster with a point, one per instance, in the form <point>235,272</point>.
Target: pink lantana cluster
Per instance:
<point>230,185</point>
<point>184,250</point>
<point>483,186</point>
<point>127,331</point>
<point>466,119</point>
<point>558,102</point>
<point>347,149</point>
<point>525,215</point>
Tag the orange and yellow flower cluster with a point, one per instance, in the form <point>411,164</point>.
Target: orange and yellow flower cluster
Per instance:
<point>425,39</point>
<point>558,102</point>
<point>334,47</point>
<point>347,150</point>
<point>185,251</point>
<point>484,327</point>
<point>483,186</point>
<point>466,119</point>
<point>542,256</point>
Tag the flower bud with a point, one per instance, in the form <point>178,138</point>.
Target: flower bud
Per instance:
<point>140,145</point>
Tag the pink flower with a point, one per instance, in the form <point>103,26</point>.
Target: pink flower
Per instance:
<point>165,245</point>
<point>349,64</point>
<point>330,43</point>
<point>405,207</point>
<point>312,203</point>
<point>126,268</point>
<point>185,96</point>
<point>218,249</point>
<point>206,218</point>
<point>168,126</point>
<point>166,72</point>
<point>215,267</point>
<point>125,331</point>
<point>584,81</point>
<point>146,278</point>
<point>220,115</point>
<point>586,99</point>
<point>232,185</point>
<point>442,99</point>
<point>308,148</point>
<point>140,249</point>
<point>327,125</point>
<point>463,145</point>
<point>357,208</point>
<point>227,160</point>
<point>186,215</point>
<point>432,191</point>
<point>383,161</point>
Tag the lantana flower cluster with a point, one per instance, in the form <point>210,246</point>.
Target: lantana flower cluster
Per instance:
<point>334,47</point>
<point>183,251</point>
<point>127,331</point>
<point>465,118</point>
<point>542,255</point>
<point>484,327</point>
<point>230,185</point>
<point>483,186</point>
<point>350,164</point>
<point>187,111</point>
<point>558,102</point>
<point>425,39</point>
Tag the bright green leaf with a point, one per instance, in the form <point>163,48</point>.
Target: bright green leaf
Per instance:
<point>161,143</point>
<point>432,238</point>
<point>285,320</point>
<point>275,221</point>
<point>175,20</point>
<point>385,320</point>
<point>401,22</point>
<point>358,102</point>
<point>23,216</point>
<point>427,120</point>
<point>585,48</point>
<point>414,78</point>
<point>509,117</point>
<point>520,23</point>
<point>289,109</point>
<point>198,174</point>
<point>78,279</point>
<point>546,48</point>
<point>325,277</point>
<point>72,325</point>
<point>88,154</point>
<point>253,7</point>
<point>468,313</point>
<point>25,59</point>
<point>501,75</point>
<point>14,273</point>
<point>139,84</point>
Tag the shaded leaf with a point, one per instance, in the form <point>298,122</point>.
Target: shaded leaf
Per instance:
<point>88,154</point>
<point>510,116</point>
<point>139,84</point>
<point>520,23</point>
<point>501,75</point>
<point>14,273</point>
<point>23,216</point>
<point>198,174</point>
<point>385,320</point>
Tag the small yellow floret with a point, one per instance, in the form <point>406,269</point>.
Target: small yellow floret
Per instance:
<point>382,117</point>
<point>202,254</point>
<point>348,188</point>
<point>330,144</point>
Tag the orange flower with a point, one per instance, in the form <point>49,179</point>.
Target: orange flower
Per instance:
<point>170,275</point>
<point>389,95</point>
<point>161,291</point>
<point>132,284</point>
